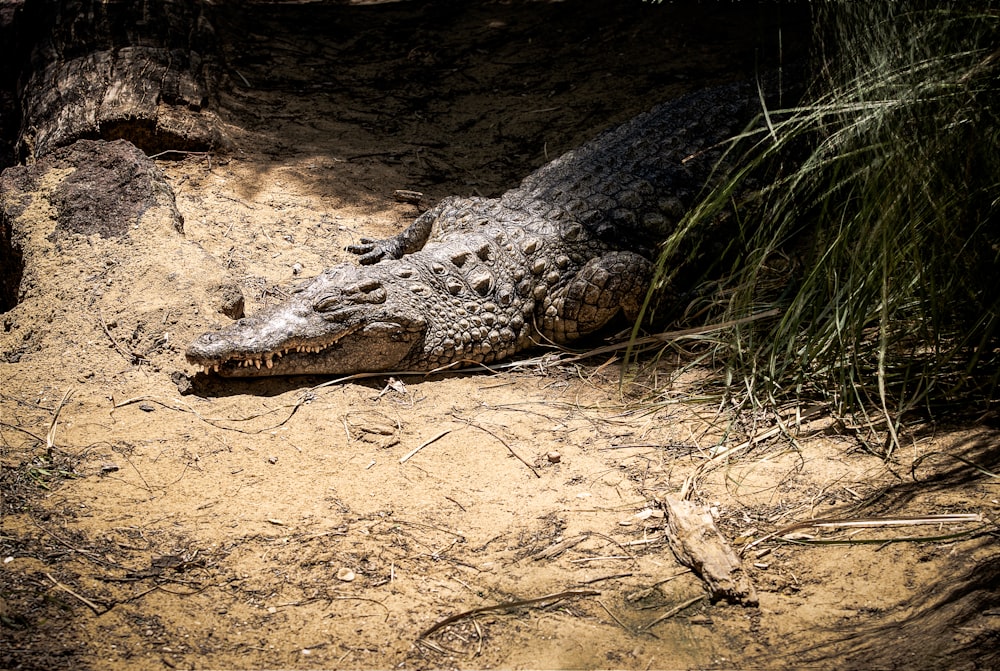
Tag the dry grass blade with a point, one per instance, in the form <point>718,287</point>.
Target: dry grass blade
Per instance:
<point>874,233</point>
<point>897,521</point>
<point>722,455</point>
<point>614,576</point>
<point>23,430</point>
<point>50,436</point>
<point>917,462</point>
<point>511,605</point>
<point>671,336</point>
<point>873,522</point>
<point>557,549</point>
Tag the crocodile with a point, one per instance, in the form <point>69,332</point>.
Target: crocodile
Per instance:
<point>478,279</point>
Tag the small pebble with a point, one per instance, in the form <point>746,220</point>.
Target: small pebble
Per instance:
<point>554,457</point>
<point>183,382</point>
<point>345,574</point>
<point>147,407</point>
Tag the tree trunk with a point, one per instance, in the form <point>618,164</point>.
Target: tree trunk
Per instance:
<point>141,71</point>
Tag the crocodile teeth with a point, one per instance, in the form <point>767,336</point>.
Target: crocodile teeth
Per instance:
<point>269,360</point>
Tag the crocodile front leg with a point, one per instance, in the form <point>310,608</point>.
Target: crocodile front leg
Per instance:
<point>451,214</point>
<point>606,285</point>
<point>410,240</point>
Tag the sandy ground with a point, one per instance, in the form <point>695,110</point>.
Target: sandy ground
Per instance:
<point>291,523</point>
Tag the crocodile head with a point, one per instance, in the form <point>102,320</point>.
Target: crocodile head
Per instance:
<point>343,321</point>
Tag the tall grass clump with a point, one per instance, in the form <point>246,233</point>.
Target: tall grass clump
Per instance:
<point>881,246</point>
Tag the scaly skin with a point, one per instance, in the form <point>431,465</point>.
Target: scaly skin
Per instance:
<point>478,280</point>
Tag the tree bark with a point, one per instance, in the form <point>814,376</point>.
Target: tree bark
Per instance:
<point>141,71</point>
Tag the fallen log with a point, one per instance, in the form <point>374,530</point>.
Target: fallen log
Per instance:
<point>697,543</point>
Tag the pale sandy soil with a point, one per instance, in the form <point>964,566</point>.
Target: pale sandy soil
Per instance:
<point>276,523</point>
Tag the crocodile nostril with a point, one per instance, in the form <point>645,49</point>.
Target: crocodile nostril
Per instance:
<point>206,339</point>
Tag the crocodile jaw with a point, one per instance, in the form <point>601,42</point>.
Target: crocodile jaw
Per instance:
<point>372,347</point>
<point>321,330</point>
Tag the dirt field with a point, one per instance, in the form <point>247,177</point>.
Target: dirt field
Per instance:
<point>156,518</point>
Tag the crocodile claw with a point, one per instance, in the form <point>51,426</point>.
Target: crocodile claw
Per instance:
<point>371,251</point>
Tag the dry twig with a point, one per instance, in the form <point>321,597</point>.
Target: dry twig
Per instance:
<point>673,611</point>
<point>84,600</point>
<point>688,487</point>
<point>132,357</point>
<point>422,445</point>
<point>504,443</point>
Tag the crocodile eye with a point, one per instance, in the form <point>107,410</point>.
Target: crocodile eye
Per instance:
<point>366,290</point>
<point>369,292</point>
<point>327,303</point>
<point>368,286</point>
